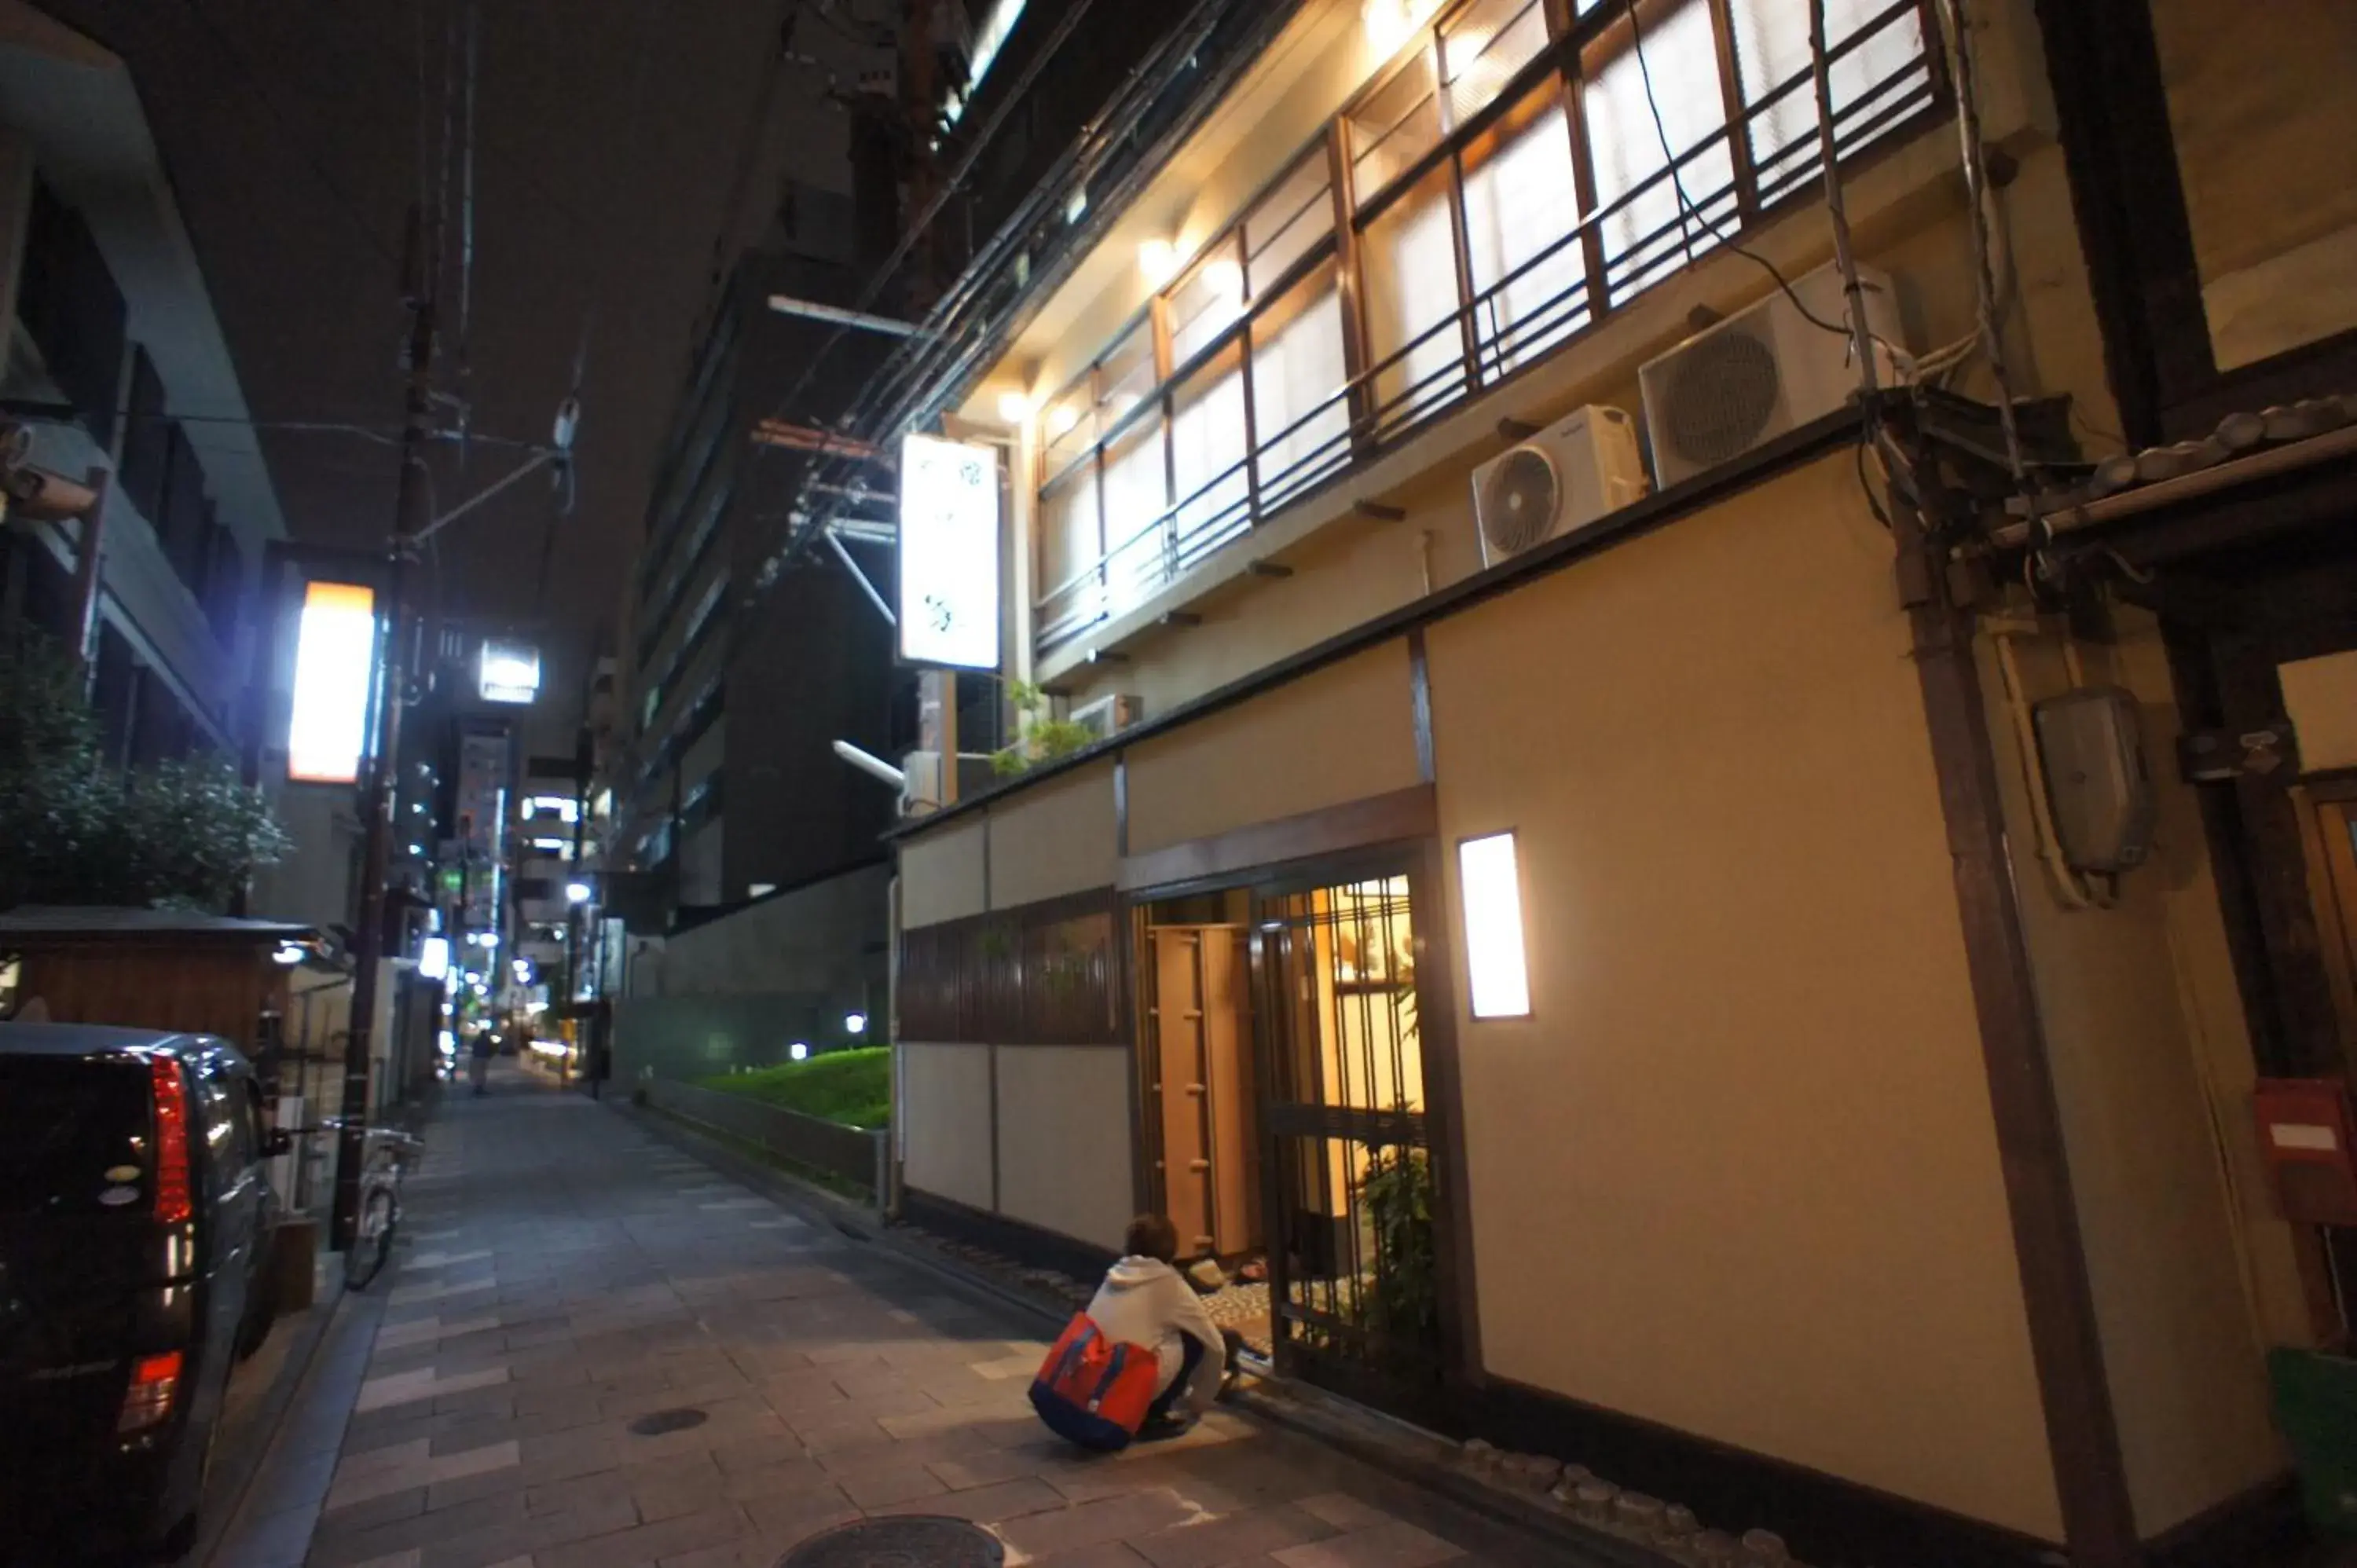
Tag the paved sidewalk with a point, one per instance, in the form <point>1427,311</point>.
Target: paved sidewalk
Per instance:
<point>569,1275</point>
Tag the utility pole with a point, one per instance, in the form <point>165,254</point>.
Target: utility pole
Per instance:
<point>380,796</point>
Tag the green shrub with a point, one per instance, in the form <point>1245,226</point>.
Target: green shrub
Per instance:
<point>75,830</point>
<point>854,1088</point>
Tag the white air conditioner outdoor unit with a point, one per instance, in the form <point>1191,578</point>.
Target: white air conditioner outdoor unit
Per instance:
<point>1760,373</point>
<point>1580,469</point>
<point>1107,716</point>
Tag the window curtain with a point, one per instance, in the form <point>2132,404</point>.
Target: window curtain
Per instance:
<point>1408,258</point>
<point>1299,414</point>
<point>1772,49</point>
<point>1070,545</point>
<point>1136,495</point>
<point>1519,200</point>
<point>1654,233</point>
<point>1207,456</point>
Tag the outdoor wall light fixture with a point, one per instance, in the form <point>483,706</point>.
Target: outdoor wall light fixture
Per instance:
<point>854,1023</point>
<point>1061,419</point>
<point>798,1050</point>
<point>1496,964</point>
<point>577,893</point>
<point>1389,22</point>
<point>1013,408</point>
<point>1158,260</point>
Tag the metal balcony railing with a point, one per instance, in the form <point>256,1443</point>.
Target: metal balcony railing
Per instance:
<point>1489,335</point>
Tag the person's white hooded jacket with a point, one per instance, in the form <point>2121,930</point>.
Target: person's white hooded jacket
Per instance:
<point>1146,1302</point>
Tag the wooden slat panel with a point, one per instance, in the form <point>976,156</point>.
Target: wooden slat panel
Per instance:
<point>1044,974</point>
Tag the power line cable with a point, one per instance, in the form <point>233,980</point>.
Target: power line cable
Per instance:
<point>1685,204</point>
<point>294,142</point>
<point>466,199</point>
<point>883,275</point>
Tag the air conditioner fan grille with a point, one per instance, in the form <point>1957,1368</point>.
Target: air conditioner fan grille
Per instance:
<point>1723,391</point>
<point>1519,501</point>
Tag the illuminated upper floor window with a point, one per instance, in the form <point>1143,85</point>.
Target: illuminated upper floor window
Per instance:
<point>1503,184</point>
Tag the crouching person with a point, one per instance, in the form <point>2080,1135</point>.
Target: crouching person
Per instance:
<point>1144,1361</point>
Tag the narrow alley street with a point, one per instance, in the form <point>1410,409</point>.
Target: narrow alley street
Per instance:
<point>596,1352</point>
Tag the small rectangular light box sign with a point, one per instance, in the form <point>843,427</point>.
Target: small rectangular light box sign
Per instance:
<point>1496,963</point>
<point>510,671</point>
<point>949,610</point>
<point>335,657</point>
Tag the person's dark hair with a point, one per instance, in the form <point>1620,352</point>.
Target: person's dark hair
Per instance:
<point>1151,1236</point>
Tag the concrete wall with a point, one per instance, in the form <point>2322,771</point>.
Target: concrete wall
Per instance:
<point>739,990</point>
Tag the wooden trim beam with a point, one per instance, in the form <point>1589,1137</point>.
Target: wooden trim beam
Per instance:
<point>2065,1341</point>
<point>1401,815</point>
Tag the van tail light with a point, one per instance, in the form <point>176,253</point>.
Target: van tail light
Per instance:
<point>174,1202</point>
<point>153,1380</point>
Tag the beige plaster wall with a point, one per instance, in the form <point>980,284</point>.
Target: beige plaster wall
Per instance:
<point>1339,735</point>
<point>1064,1139</point>
<point>941,873</point>
<point>2194,1276</point>
<point>1737,1173</point>
<point>1053,839</point>
<point>943,1121</point>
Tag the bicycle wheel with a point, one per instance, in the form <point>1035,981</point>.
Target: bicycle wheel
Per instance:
<point>372,1239</point>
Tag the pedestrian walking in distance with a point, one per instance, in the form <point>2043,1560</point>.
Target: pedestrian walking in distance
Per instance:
<point>478,1065</point>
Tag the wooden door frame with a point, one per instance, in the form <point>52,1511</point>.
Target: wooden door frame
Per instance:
<point>2331,878</point>
<point>1420,857</point>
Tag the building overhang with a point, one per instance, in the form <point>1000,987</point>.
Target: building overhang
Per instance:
<point>77,105</point>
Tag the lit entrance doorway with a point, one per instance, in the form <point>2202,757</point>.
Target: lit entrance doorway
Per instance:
<point>1291,1123</point>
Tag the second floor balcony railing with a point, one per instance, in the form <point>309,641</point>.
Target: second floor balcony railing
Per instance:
<point>1477,227</point>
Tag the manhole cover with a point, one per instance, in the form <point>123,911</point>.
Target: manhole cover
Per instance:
<point>654,1424</point>
<point>916,1541</point>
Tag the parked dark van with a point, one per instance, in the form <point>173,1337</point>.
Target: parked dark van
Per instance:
<point>134,1214</point>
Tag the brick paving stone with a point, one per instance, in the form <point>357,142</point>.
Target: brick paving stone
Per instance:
<point>1092,1523</point>
<point>1393,1545</point>
<point>1236,1538</point>
<point>648,1542</point>
<point>1104,1554</point>
<point>987,1504</point>
<point>583,1284</point>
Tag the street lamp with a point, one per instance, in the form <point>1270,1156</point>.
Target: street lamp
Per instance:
<point>577,893</point>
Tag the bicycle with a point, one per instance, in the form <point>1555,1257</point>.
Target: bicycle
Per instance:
<point>387,1153</point>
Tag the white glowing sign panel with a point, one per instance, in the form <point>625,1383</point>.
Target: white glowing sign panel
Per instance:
<point>511,672</point>
<point>1496,962</point>
<point>948,553</point>
<point>335,652</point>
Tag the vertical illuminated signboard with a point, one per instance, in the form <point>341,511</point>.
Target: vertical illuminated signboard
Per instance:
<point>948,553</point>
<point>335,655</point>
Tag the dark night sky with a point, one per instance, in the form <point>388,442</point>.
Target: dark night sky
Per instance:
<point>608,132</point>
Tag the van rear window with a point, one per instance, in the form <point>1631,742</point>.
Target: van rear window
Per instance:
<point>74,1135</point>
